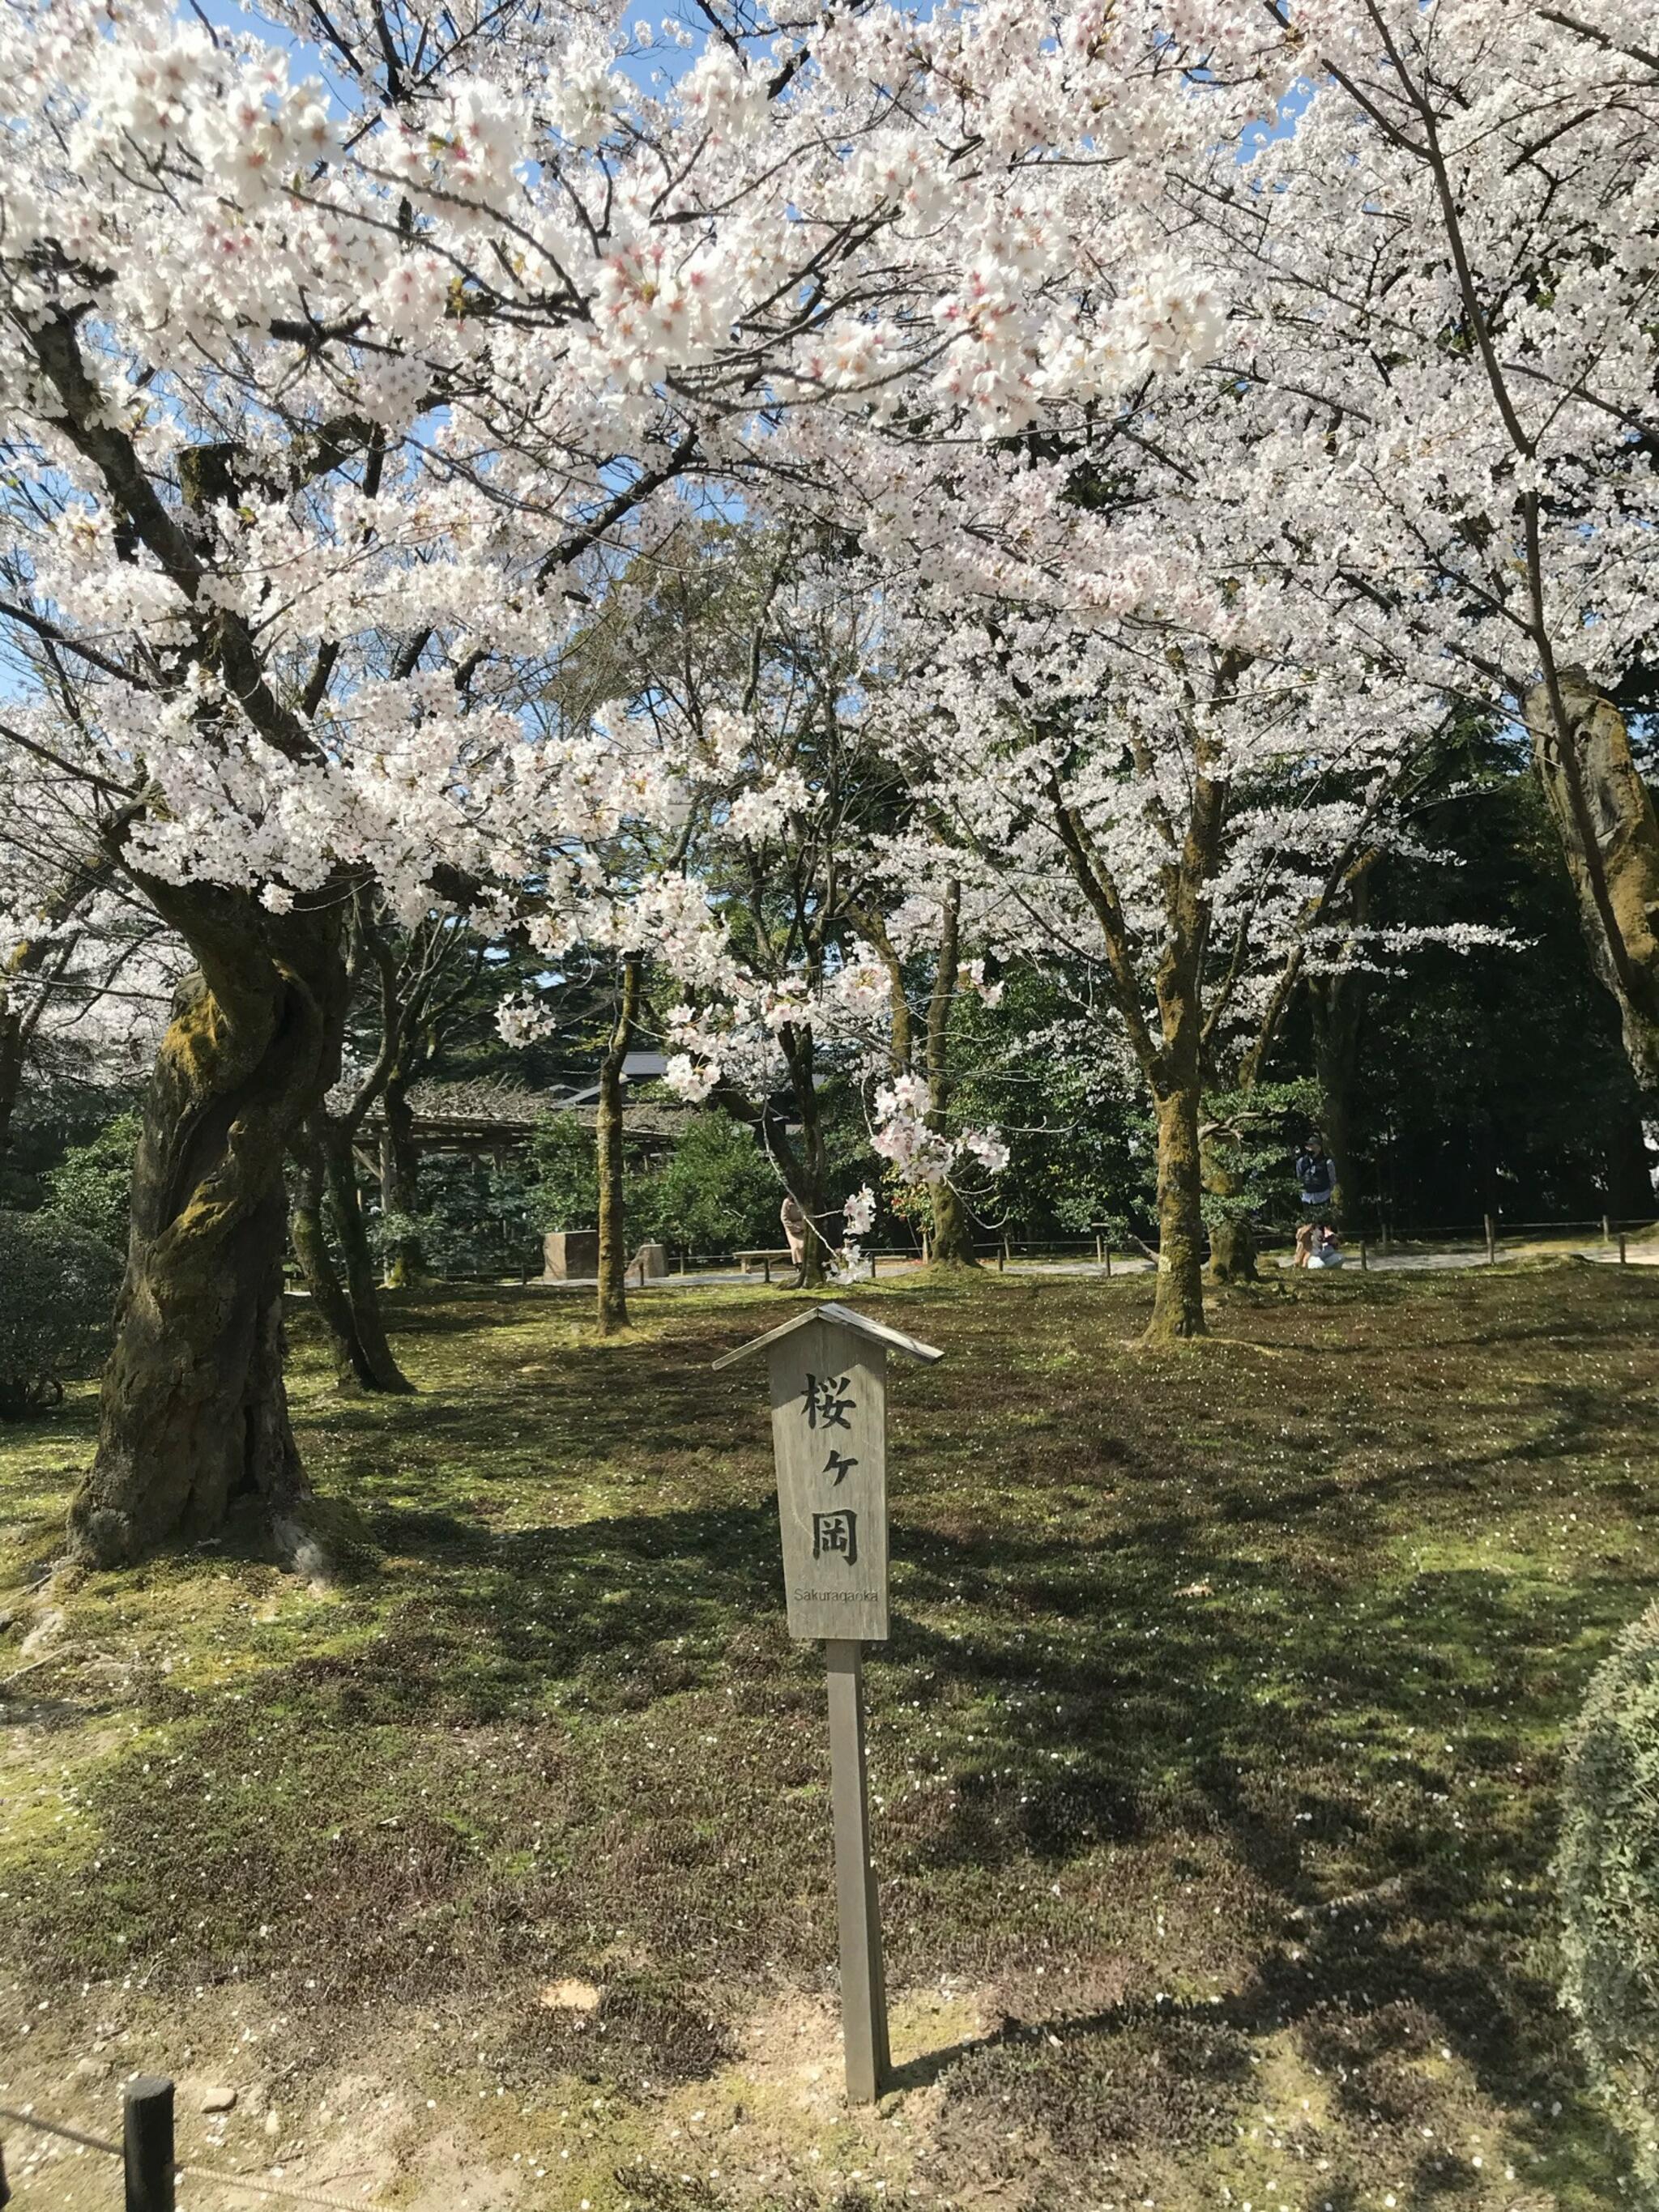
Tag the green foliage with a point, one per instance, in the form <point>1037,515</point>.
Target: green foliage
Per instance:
<point>564,1176</point>
<point>1250,1141</point>
<point>716,1192</point>
<point>57,1285</point>
<point>1489,1078</point>
<point>92,1184</point>
<point>1079,1140</point>
<point>1607,1870</point>
<point>476,1218</point>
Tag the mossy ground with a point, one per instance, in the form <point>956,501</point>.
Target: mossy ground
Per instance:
<point>1214,1755</point>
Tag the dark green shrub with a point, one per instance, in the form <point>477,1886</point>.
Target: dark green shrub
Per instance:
<point>715,1192</point>
<point>1607,1870</point>
<point>58,1286</point>
<point>92,1184</point>
<point>564,1174</point>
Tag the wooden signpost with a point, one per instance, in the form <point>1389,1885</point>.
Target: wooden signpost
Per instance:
<point>828,1375</point>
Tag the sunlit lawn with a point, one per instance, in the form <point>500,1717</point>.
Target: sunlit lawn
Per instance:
<point>1215,1754</point>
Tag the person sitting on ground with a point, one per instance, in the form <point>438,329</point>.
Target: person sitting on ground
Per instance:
<point>1327,1252</point>
<point>1316,1173</point>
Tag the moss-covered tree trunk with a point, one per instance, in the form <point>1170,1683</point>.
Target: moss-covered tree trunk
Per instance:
<point>608,1135</point>
<point>1178,1298</point>
<point>953,1229</point>
<point>379,1370</point>
<point>193,1411</point>
<point>400,1183</point>
<point>1604,814</point>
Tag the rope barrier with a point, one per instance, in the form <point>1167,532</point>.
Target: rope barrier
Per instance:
<point>70,2135</point>
<point>185,2172</point>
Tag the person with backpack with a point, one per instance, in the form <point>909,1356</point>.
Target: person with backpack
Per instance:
<point>1315,1171</point>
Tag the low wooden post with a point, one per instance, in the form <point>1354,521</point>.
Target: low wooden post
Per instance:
<point>1492,1241</point>
<point>147,2139</point>
<point>1606,1229</point>
<point>766,1268</point>
<point>1099,1240</point>
<point>1109,1255</point>
<point>1365,1258</point>
<point>827,1370</point>
<point>5,2193</point>
<point>1623,1262</point>
<point>858,1908</point>
<point>1002,1255</point>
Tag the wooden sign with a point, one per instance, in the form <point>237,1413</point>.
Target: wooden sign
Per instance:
<point>830,1440</point>
<point>829,1376</point>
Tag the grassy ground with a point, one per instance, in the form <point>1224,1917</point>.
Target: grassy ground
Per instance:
<point>1214,1753</point>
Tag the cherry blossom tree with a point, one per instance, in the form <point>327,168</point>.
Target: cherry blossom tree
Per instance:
<point>1443,347</point>
<point>317,408</point>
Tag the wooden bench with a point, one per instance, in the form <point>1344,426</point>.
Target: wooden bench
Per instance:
<point>746,1259</point>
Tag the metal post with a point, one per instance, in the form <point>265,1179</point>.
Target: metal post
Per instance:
<point>147,2137</point>
<point>1099,1240</point>
<point>863,1987</point>
<point>1606,1231</point>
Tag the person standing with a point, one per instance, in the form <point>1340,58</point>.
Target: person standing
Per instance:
<point>1315,1171</point>
<point>793,1215</point>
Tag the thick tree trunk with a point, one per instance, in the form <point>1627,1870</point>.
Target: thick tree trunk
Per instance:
<point>400,1183</point>
<point>613,1226</point>
<point>379,1367</point>
<point>1609,833</point>
<point>310,1242</point>
<point>953,1229</point>
<point>193,1409</point>
<point>1178,1300</point>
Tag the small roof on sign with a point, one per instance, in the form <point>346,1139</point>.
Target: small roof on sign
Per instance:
<point>891,1339</point>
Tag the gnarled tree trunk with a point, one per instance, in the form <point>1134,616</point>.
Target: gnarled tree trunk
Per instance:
<point>1604,813</point>
<point>310,1241</point>
<point>193,1409</point>
<point>378,1368</point>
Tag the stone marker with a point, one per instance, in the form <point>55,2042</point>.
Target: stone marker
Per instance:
<point>828,1368</point>
<point>570,1256</point>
